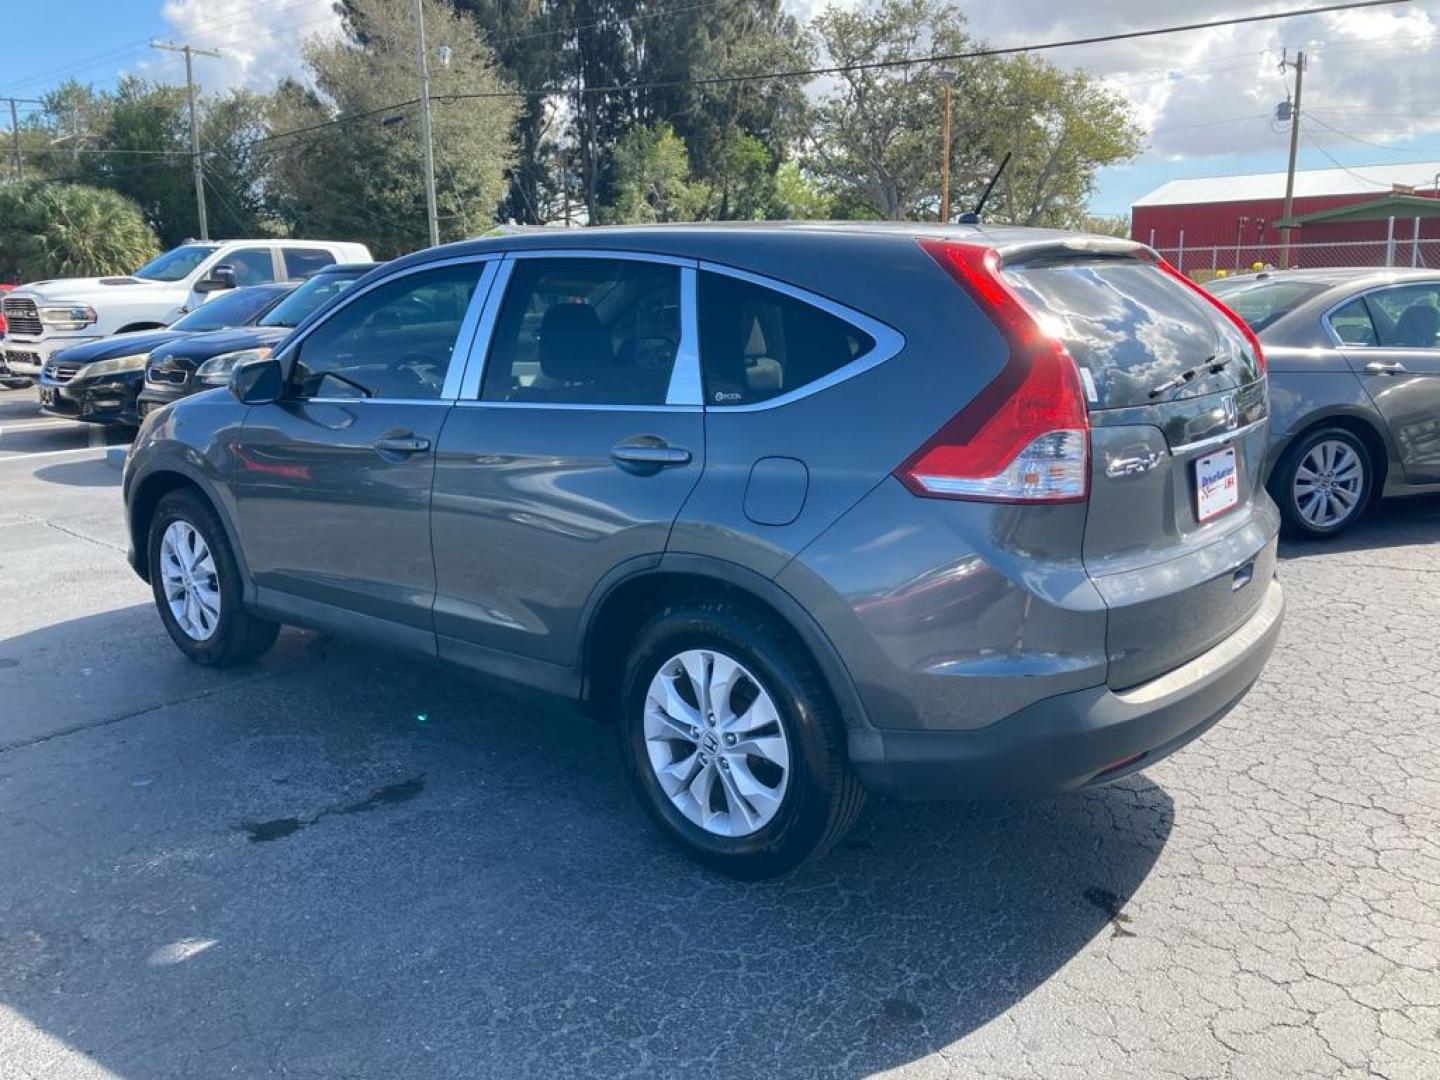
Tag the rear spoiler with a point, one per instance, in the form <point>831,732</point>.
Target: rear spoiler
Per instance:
<point>1054,250</point>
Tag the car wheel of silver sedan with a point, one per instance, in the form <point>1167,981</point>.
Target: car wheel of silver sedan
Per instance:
<point>1323,483</point>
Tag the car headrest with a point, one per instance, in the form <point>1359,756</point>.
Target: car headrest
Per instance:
<point>1418,326</point>
<point>574,347</point>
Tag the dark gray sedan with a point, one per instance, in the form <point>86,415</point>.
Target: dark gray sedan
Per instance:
<point>1354,364</point>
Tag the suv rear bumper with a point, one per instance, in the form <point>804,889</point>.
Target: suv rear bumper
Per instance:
<point>1074,739</point>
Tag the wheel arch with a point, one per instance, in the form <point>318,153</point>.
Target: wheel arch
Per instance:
<point>145,495</point>
<point>632,595</point>
<point>142,325</point>
<point>1358,423</point>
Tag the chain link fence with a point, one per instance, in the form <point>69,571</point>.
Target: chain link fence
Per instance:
<point>1204,263</point>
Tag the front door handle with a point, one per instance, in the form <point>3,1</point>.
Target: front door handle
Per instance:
<point>1380,367</point>
<point>402,444</point>
<point>648,454</point>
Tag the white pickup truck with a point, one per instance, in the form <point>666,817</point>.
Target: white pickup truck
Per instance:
<point>46,316</point>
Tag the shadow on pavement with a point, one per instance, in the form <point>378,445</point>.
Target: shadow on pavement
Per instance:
<point>341,863</point>
<point>96,472</point>
<point>1388,523</point>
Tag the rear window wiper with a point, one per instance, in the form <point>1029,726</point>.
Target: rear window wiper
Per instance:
<point>1211,366</point>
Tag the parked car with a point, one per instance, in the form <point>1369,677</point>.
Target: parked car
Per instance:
<point>6,380</point>
<point>99,382</point>
<point>187,366</point>
<point>807,510</point>
<point>46,316</point>
<point>1354,387</point>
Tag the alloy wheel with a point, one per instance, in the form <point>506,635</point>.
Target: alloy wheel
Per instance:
<point>1329,483</point>
<point>715,742</point>
<point>192,586</point>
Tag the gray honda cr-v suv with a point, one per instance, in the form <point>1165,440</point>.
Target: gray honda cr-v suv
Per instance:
<point>807,510</point>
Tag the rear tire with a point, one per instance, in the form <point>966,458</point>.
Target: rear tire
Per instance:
<point>780,791</point>
<point>197,587</point>
<point>1323,483</point>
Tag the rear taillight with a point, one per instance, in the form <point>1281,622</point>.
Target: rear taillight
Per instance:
<point>1224,309</point>
<point>1026,436</point>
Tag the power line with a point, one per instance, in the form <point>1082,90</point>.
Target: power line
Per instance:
<point>839,69</point>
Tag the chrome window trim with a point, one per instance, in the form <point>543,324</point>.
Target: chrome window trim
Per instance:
<point>580,406</point>
<point>686,386</point>
<point>479,353</point>
<point>286,353</point>
<point>373,401</point>
<point>464,345</point>
<point>684,391</point>
<point>888,340</point>
<point>1218,440</point>
<point>1340,343</point>
<point>600,253</point>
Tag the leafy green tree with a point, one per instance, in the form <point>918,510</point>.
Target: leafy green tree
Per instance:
<point>1061,127</point>
<point>70,230</point>
<point>1107,225</point>
<point>652,179</point>
<point>874,137</point>
<point>797,198</point>
<point>362,178</point>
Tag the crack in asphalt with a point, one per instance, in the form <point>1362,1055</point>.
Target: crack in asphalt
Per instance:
<point>107,721</point>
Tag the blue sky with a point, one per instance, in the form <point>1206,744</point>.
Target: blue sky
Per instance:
<point>1204,99</point>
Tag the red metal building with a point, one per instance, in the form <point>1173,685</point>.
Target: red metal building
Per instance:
<point>1231,213</point>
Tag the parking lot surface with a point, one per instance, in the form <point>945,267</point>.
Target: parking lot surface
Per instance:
<point>342,864</point>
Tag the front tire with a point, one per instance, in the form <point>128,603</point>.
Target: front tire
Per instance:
<point>196,583</point>
<point>1323,483</point>
<point>733,742</point>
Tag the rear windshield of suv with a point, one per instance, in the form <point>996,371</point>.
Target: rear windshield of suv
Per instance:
<point>1139,337</point>
<point>1260,303</point>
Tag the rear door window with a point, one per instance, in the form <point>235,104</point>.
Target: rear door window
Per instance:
<point>758,343</point>
<point>1139,337</point>
<point>1407,316</point>
<point>586,332</point>
<point>302,261</point>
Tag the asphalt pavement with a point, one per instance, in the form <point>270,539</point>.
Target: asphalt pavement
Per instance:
<point>338,863</point>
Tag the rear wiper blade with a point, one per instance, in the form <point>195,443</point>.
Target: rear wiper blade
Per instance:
<point>1211,366</point>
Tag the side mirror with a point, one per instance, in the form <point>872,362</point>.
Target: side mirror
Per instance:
<point>219,279</point>
<point>258,382</point>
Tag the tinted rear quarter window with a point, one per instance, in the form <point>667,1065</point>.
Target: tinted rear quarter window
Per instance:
<point>757,343</point>
<point>1134,331</point>
<point>1352,323</point>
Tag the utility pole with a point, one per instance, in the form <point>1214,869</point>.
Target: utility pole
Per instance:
<point>427,146</point>
<point>1299,65</point>
<point>196,166</point>
<point>15,138</point>
<point>945,160</point>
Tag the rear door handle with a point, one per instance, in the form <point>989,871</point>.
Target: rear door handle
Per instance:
<point>1380,367</point>
<point>648,454</point>
<point>402,444</point>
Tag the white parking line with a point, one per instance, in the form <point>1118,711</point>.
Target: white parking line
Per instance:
<point>12,456</point>
<point>37,425</point>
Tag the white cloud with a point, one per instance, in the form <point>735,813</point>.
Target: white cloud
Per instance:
<point>1214,91</point>
<point>260,44</point>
